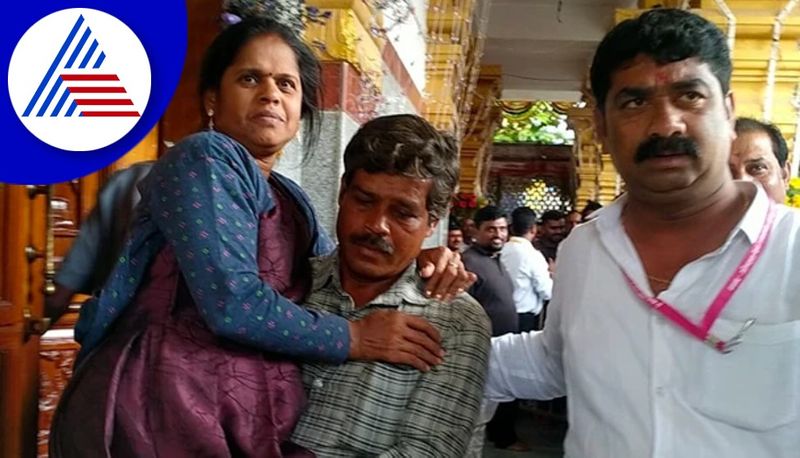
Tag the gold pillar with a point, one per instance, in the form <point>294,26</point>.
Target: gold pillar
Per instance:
<point>587,151</point>
<point>450,43</point>
<point>348,35</point>
<point>461,94</point>
<point>479,125</point>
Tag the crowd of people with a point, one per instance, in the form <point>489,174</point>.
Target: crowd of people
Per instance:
<point>230,324</point>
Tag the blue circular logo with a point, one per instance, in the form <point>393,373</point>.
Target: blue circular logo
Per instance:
<point>86,82</point>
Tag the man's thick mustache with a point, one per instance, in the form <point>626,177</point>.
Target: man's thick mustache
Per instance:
<point>373,241</point>
<point>653,146</point>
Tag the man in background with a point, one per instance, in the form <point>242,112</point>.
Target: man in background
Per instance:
<point>494,290</point>
<point>469,230</point>
<point>552,231</point>
<point>528,269</point>
<point>573,219</point>
<point>455,236</point>
<point>760,154</point>
<point>95,250</point>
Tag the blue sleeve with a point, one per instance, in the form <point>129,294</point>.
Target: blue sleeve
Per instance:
<point>206,199</point>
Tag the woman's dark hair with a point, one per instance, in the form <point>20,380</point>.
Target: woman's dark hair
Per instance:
<point>226,46</point>
<point>406,145</point>
<point>666,35</point>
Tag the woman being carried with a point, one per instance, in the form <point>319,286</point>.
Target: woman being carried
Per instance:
<point>188,350</point>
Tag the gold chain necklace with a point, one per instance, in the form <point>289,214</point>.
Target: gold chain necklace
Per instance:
<point>664,282</point>
<point>658,280</point>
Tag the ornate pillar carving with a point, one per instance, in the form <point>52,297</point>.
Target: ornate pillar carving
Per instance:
<point>587,151</point>
<point>479,124</point>
<point>461,93</point>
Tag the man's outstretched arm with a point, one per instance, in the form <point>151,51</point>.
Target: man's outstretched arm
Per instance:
<point>528,365</point>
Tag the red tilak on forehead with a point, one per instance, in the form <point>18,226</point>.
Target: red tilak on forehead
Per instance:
<point>661,76</point>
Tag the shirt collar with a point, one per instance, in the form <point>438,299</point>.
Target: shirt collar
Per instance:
<point>406,290</point>
<point>485,252</point>
<point>756,214</point>
<point>750,224</point>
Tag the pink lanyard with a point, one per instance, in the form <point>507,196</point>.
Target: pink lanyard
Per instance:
<point>701,331</point>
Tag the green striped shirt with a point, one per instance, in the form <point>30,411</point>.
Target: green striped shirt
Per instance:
<point>370,408</point>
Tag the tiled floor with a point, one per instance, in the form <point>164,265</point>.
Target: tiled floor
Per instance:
<point>543,433</point>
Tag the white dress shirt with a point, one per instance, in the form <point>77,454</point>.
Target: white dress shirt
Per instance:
<point>638,385</point>
<point>529,272</point>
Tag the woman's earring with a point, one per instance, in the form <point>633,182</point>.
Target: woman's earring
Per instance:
<point>210,114</point>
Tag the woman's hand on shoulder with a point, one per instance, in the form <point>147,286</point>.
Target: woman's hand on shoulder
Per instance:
<point>445,272</point>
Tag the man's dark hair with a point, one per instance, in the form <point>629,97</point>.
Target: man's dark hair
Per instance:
<point>779,148</point>
<point>666,35</point>
<point>488,213</point>
<point>453,225</point>
<point>406,145</point>
<point>552,215</point>
<point>591,206</point>
<point>522,220</point>
<point>226,46</point>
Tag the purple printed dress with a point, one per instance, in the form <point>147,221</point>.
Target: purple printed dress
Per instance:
<point>162,384</point>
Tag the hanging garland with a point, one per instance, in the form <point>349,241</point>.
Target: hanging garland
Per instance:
<point>532,122</point>
<point>515,110</point>
<point>291,13</point>
<point>465,204</point>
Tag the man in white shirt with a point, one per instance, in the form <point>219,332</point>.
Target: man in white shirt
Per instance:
<point>528,269</point>
<point>684,339</point>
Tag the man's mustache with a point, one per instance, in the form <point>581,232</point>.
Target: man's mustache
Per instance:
<point>655,146</point>
<point>375,242</point>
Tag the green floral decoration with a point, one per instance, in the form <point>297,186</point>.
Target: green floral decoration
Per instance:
<point>532,122</point>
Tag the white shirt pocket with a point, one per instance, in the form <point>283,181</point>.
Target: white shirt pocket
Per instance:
<point>757,385</point>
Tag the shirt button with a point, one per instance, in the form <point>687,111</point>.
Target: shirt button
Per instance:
<point>317,383</point>
<point>660,391</point>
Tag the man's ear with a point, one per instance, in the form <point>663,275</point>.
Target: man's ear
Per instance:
<point>730,106</point>
<point>786,173</point>
<point>730,112</point>
<point>600,128</point>
<point>432,225</point>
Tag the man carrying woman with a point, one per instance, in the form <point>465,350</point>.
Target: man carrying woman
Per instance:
<point>191,348</point>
